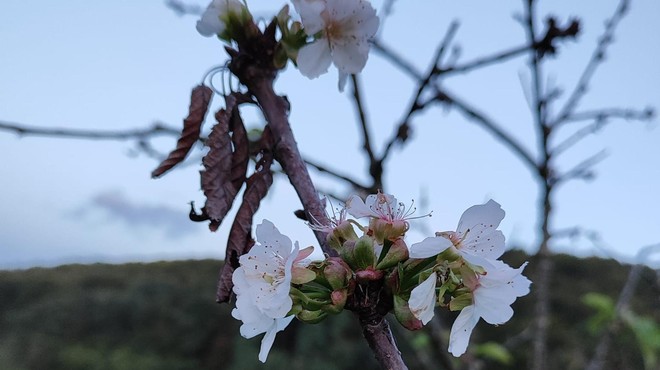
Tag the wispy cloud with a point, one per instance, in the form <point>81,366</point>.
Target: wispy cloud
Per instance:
<point>173,222</point>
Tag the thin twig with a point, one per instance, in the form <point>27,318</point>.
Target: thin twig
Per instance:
<point>582,169</point>
<point>490,126</point>
<point>360,110</point>
<point>72,133</point>
<point>346,178</point>
<point>401,133</point>
<point>592,65</point>
<point>609,113</point>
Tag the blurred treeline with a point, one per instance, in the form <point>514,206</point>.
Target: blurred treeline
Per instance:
<point>163,316</point>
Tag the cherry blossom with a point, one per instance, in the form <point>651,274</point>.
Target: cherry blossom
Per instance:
<point>492,296</point>
<point>342,30</point>
<point>476,238</point>
<point>381,206</point>
<point>262,284</point>
<point>214,18</point>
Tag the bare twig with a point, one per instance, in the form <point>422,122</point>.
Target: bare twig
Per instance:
<point>490,126</point>
<point>583,169</point>
<point>402,132</point>
<point>359,187</point>
<point>156,129</point>
<point>594,62</point>
<point>360,110</point>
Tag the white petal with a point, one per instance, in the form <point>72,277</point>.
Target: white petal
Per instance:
<point>310,14</point>
<point>343,77</point>
<point>429,247</point>
<point>362,21</point>
<point>480,221</point>
<point>492,306</point>
<point>314,59</point>
<point>350,57</point>
<point>268,339</point>
<point>422,299</point>
<point>270,237</point>
<point>459,337</point>
<point>357,208</point>
<point>210,24</point>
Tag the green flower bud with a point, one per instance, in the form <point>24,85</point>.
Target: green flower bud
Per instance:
<point>404,315</point>
<point>311,317</point>
<point>337,272</point>
<point>364,253</point>
<point>397,252</point>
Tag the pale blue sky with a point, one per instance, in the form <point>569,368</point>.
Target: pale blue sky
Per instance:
<point>126,64</point>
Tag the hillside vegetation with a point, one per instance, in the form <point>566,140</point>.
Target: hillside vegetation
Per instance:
<point>163,316</point>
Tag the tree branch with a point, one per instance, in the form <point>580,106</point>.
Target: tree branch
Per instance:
<point>156,129</point>
<point>592,65</point>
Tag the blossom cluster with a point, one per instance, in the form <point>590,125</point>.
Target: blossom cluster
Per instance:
<point>458,270</point>
<point>328,32</point>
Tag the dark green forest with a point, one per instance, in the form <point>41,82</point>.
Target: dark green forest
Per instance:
<point>163,316</point>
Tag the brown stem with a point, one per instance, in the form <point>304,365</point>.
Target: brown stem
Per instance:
<point>275,109</point>
<point>381,341</point>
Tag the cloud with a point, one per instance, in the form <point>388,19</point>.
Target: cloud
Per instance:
<point>173,222</point>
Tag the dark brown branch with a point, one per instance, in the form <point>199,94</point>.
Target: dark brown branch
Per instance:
<point>359,107</point>
<point>490,126</point>
<point>592,65</point>
<point>72,133</point>
<point>402,132</point>
<point>356,185</point>
<point>583,169</point>
<point>444,96</point>
<point>612,113</point>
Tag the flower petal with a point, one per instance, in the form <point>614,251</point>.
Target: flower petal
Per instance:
<point>314,59</point>
<point>350,57</point>
<point>356,207</point>
<point>310,14</point>
<point>422,299</point>
<point>429,247</point>
<point>459,337</point>
<point>268,339</point>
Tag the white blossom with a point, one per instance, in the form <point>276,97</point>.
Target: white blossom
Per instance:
<point>262,284</point>
<point>343,29</point>
<point>381,206</point>
<point>213,19</point>
<point>492,296</point>
<point>422,299</point>
<point>476,238</point>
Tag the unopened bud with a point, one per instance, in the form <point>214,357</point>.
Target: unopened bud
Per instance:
<point>311,317</point>
<point>369,274</point>
<point>404,315</point>
<point>398,252</point>
<point>337,272</point>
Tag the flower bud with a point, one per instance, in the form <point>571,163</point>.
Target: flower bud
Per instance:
<point>385,229</point>
<point>368,274</point>
<point>404,315</point>
<point>337,272</point>
<point>398,252</point>
<point>364,255</point>
<point>311,317</point>
<point>338,298</point>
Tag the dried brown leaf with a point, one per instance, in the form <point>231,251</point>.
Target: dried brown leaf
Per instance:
<point>240,241</point>
<point>192,125</point>
<point>241,156</point>
<point>216,178</point>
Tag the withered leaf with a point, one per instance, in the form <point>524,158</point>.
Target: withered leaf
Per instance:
<point>240,241</point>
<point>192,125</point>
<point>216,178</point>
